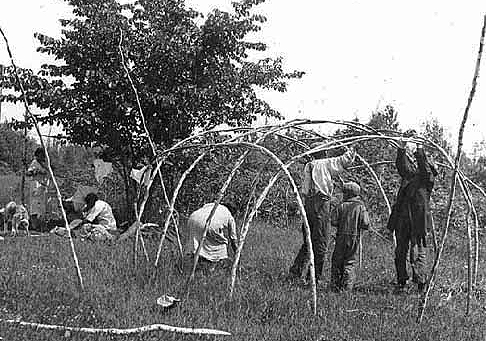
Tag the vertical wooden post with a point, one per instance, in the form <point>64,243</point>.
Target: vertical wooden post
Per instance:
<point>48,160</point>
<point>455,177</point>
<point>24,163</point>
<point>360,260</point>
<point>1,90</point>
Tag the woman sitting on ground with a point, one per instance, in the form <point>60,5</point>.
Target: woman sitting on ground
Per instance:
<point>98,223</point>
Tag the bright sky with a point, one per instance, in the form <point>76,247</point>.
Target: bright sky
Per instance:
<point>358,55</point>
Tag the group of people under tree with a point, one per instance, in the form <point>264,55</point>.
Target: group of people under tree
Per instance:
<point>410,219</point>
<point>97,223</point>
<point>32,213</point>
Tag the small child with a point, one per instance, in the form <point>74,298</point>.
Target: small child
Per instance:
<point>350,218</point>
<point>15,217</point>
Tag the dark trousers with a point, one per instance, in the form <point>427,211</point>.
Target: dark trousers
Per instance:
<point>318,210</point>
<point>418,257</point>
<point>344,260</point>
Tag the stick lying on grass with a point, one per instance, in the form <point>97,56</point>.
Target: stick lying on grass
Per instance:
<point>116,331</point>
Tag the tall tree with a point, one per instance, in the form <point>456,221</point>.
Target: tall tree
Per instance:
<point>434,131</point>
<point>12,146</point>
<point>189,72</point>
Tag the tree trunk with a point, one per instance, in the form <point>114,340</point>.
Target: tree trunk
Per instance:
<point>128,198</point>
<point>24,167</point>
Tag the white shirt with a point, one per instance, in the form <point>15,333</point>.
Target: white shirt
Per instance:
<point>102,214</point>
<point>318,173</point>
<point>215,244</point>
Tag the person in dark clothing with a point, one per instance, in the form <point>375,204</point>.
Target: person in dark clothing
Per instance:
<point>350,218</point>
<point>411,217</point>
<point>38,182</point>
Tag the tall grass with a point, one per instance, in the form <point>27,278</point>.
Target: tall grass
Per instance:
<point>38,284</point>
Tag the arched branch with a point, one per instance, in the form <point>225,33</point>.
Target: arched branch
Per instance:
<point>225,187</point>
<point>191,167</point>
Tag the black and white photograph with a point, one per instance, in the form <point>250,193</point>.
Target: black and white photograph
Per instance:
<point>242,170</point>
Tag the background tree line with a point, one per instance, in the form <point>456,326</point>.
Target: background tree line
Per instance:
<point>73,165</point>
<point>191,72</point>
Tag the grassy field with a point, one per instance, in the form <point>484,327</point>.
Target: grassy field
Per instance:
<point>38,284</point>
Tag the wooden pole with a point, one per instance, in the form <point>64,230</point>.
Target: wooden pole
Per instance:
<point>172,205</point>
<point>48,161</point>
<point>360,261</point>
<point>261,198</point>
<point>222,192</point>
<point>454,175</point>
<point>137,237</point>
<point>434,235</point>
<point>187,172</point>
<point>149,139</point>
<point>24,162</point>
<point>476,243</point>
<point>469,261</point>
<point>118,331</point>
<point>1,90</point>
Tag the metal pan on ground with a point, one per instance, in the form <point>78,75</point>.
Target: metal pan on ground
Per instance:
<point>167,301</point>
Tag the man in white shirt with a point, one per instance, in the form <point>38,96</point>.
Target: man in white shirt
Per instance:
<point>215,246</point>
<point>317,190</point>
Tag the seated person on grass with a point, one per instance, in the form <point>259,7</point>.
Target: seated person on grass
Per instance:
<point>15,216</point>
<point>214,250</point>
<point>98,223</point>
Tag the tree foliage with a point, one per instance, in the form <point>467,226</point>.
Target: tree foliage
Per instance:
<point>12,149</point>
<point>191,72</point>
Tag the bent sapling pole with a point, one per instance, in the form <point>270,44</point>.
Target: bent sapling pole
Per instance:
<point>48,161</point>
